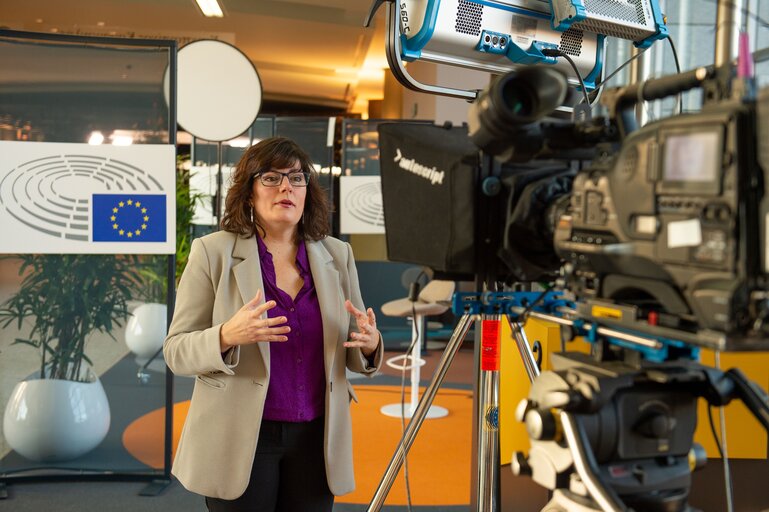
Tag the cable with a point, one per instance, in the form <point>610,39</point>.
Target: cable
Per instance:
<point>729,492</point>
<point>524,315</point>
<point>614,73</point>
<point>725,451</point>
<point>553,52</point>
<point>679,96</point>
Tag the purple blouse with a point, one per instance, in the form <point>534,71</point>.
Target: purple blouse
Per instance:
<point>297,390</point>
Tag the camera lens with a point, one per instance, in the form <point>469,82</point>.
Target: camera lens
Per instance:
<point>517,102</point>
<point>514,100</point>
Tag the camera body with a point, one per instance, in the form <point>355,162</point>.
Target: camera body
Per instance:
<point>665,229</point>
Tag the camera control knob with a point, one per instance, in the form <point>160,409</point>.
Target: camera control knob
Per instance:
<point>657,425</point>
<point>520,464</point>
<point>541,425</point>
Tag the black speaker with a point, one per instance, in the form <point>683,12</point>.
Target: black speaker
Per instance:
<point>428,187</point>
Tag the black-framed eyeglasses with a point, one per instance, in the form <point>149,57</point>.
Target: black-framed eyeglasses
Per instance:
<point>275,178</point>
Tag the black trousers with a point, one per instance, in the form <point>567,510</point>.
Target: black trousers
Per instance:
<point>289,472</point>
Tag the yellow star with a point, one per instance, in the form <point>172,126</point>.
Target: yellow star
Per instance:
<point>130,234</point>
<point>113,218</point>
<point>130,202</point>
<point>121,232</point>
<point>146,218</point>
<point>121,204</point>
<point>144,226</point>
<point>144,210</point>
<point>114,210</point>
<point>138,232</point>
<point>137,204</point>
<point>114,226</point>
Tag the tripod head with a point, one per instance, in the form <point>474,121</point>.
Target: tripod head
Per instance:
<point>617,436</point>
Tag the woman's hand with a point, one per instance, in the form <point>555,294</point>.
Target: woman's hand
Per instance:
<point>368,337</point>
<point>246,326</point>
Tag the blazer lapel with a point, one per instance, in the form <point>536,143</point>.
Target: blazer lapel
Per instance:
<point>248,276</point>
<point>328,288</point>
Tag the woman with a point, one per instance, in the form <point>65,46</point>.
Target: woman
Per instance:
<point>268,317</point>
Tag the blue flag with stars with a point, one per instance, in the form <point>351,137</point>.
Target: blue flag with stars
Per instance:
<point>129,218</point>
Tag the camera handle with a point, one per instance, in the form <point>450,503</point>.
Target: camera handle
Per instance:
<point>484,314</point>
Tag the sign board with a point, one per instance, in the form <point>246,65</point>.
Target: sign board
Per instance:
<point>360,200</point>
<point>82,199</point>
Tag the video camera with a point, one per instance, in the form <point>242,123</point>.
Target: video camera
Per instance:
<point>657,233</point>
<point>660,229</point>
<point>650,243</point>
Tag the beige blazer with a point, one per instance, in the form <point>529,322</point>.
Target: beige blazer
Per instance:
<point>218,441</point>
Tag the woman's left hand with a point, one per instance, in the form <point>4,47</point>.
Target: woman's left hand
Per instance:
<point>367,337</point>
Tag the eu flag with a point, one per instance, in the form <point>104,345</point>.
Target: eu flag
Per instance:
<point>129,218</point>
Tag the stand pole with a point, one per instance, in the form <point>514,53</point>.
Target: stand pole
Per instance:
<point>398,410</point>
<point>488,416</point>
<point>219,199</point>
<point>419,415</point>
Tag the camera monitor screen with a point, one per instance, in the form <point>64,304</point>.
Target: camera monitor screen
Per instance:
<point>692,157</point>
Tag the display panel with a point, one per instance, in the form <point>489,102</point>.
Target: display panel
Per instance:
<point>692,157</point>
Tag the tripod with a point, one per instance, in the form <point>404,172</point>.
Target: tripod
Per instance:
<point>486,311</point>
<point>611,436</point>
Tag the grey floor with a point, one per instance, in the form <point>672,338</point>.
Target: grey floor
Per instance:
<point>124,496</point>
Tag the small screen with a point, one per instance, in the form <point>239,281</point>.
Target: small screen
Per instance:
<point>692,157</point>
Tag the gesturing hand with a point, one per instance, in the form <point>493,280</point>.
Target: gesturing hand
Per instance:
<point>368,337</point>
<point>246,326</point>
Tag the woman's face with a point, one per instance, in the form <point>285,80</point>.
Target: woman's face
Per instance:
<point>279,207</point>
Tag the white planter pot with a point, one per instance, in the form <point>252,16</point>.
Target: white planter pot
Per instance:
<point>49,420</point>
<point>146,330</point>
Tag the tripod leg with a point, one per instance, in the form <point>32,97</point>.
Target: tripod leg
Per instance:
<point>488,416</point>
<point>527,356</point>
<point>419,415</point>
<point>586,467</point>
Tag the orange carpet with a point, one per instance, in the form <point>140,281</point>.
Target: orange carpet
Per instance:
<point>439,460</point>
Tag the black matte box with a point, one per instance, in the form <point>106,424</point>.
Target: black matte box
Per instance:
<point>428,187</point>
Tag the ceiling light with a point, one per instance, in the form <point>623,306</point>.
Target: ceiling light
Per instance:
<point>240,142</point>
<point>210,8</point>
<point>122,140</point>
<point>96,138</point>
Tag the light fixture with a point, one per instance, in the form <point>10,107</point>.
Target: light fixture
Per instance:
<point>210,8</point>
<point>122,140</point>
<point>95,139</point>
<point>240,142</point>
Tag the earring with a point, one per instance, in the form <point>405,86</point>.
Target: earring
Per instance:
<point>251,210</point>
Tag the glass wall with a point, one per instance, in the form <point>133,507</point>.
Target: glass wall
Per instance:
<point>71,324</point>
<point>692,28</point>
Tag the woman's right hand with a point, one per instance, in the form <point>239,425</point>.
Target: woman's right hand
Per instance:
<point>246,326</point>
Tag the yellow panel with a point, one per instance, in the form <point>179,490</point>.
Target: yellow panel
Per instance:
<point>745,437</point>
<point>514,382</point>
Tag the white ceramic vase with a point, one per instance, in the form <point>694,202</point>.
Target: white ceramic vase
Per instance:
<point>146,330</point>
<point>51,420</point>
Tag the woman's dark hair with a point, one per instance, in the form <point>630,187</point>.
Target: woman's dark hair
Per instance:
<point>274,153</point>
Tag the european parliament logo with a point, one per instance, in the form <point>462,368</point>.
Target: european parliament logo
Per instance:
<point>128,218</point>
<point>70,198</point>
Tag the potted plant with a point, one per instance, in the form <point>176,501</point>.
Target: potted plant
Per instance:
<point>147,328</point>
<point>62,412</point>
